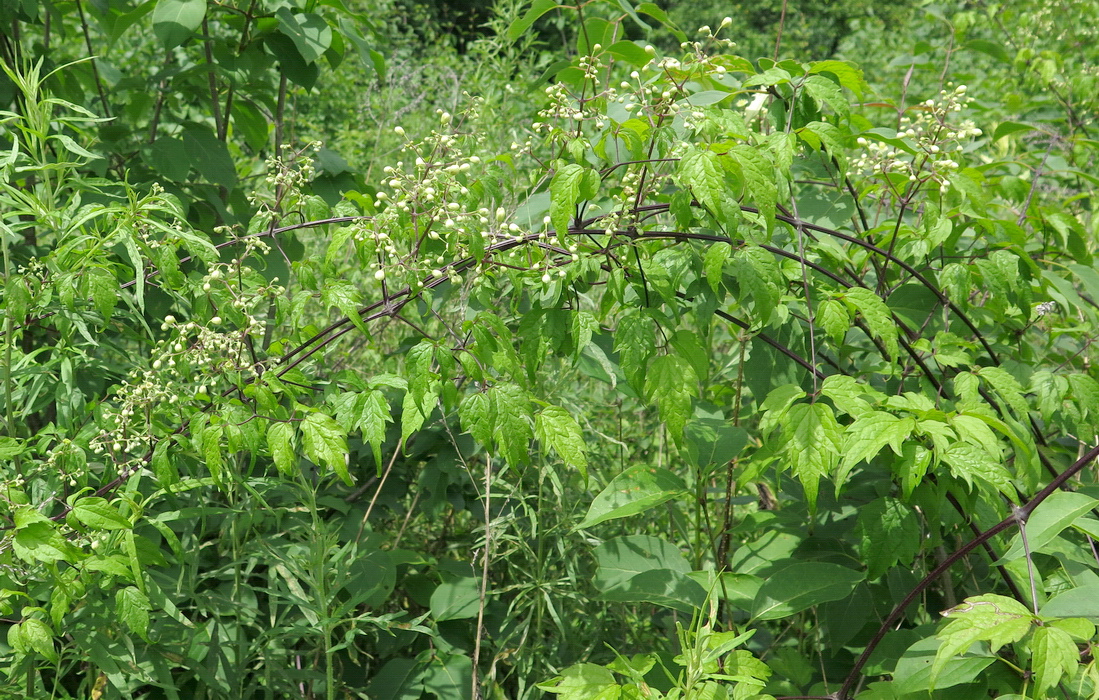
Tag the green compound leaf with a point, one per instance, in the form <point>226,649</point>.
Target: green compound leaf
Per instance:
<point>1007,387</point>
<point>633,491</point>
<point>870,432</point>
<point>876,314</point>
<point>968,462</point>
<point>554,426</point>
<point>132,607</point>
<point>511,424</point>
<point>326,444</point>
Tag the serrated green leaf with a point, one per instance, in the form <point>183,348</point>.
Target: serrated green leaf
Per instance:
<point>813,444</point>
<point>757,273</point>
<point>97,513</point>
<point>132,607</point>
<point>570,185</point>
<point>635,342</point>
<point>280,438</point>
<point>1054,654</point>
<point>211,450</point>
<point>833,319</point>
<point>968,462</point>
<point>511,422</point>
<point>876,315</point>
<point>1007,388</point>
<point>759,177</point>
<point>373,417</point>
<point>33,635</point>
<point>713,264</point>
<point>701,173</point>
<point>326,444</point>
<point>346,297</point>
<point>584,324</point>
<point>889,534</point>
<point>825,91</point>
<point>477,415</point>
<point>990,618</point>
<point>554,426</point>
<point>670,383</point>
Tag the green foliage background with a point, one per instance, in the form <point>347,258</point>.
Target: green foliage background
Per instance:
<point>352,352</point>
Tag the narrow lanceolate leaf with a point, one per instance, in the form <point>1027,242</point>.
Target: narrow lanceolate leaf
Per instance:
<point>571,185</point>
<point>132,607</point>
<point>813,444</point>
<point>876,315</point>
<point>512,424</point>
<point>556,427</point>
<point>670,383</point>
<point>326,444</point>
<point>280,442</point>
<point>701,173</point>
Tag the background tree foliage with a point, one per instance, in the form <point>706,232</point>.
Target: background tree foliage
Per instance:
<point>369,350</point>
